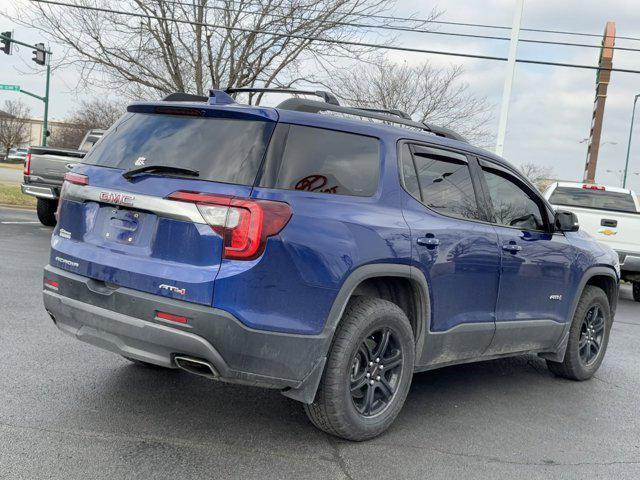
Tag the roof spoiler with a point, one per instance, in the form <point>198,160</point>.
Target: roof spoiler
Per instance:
<point>328,97</point>
<point>184,97</point>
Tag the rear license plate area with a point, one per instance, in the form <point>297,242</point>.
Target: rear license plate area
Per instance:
<point>122,225</point>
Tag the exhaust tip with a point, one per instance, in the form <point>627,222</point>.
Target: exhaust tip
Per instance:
<point>196,366</point>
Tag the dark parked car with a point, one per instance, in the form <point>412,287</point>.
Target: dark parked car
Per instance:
<point>325,251</point>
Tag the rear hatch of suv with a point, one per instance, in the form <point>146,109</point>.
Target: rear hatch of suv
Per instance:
<point>161,199</point>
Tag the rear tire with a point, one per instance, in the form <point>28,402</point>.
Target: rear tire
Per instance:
<point>588,337</point>
<point>636,291</point>
<point>367,378</point>
<point>47,211</point>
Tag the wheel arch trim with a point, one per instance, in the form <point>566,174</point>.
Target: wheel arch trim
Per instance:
<point>592,272</point>
<point>595,271</point>
<point>379,270</point>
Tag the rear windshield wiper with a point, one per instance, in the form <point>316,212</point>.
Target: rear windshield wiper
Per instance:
<point>129,174</point>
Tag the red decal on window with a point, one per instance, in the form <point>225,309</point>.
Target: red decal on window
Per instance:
<point>315,183</point>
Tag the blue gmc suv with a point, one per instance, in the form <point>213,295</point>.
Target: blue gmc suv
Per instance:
<point>326,251</point>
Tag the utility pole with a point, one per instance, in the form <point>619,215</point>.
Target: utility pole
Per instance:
<point>42,56</point>
<point>508,80</point>
<point>626,163</point>
<point>603,76</point>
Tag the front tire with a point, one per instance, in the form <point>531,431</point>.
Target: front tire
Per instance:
<point>588,337</point>
<point>636,291</point>
<point>368,372</point>
<point>47,211</point>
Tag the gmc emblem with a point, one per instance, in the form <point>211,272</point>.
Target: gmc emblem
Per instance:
<point>116,198</point>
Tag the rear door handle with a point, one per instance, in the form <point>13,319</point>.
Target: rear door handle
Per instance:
<point>428,241</point>
<point>511,247</point>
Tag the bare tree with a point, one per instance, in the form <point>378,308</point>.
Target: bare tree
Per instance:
<point>98,113</point>
<point>95,113</point>
<point>191,45</point>
<point>427,93</point>
<point>14,125</point>
<point>541,176</point>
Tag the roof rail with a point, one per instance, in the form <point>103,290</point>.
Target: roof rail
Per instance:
<point>311,106</point>
<point>330,104</point>
<point>445,132</point>
<point>328,97</point>
<point>391,111</point>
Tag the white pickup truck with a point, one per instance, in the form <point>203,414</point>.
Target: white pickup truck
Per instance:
<point>609,214</point>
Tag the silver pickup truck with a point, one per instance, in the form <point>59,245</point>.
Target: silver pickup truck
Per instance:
<point>44,171</point>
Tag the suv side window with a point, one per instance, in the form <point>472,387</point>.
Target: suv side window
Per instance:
<point>442,181</point>
<point>512,205</point>
<point>409,176</point>
<point>322,161</point>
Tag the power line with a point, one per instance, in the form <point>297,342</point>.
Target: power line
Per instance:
<point>465,24</point>
<point>331,40</point>
<point>535,30</point>
<point>402,29</point>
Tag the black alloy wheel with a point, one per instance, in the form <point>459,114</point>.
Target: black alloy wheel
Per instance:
<point>368,371</point>
<point>375,372</point>
<point>591,335</point>
<point>587,338</point>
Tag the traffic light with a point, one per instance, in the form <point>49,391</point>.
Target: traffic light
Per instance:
<point>39,55</point>
<point>6,43</point>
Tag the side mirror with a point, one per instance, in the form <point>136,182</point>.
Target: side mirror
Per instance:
<point>566,221</point>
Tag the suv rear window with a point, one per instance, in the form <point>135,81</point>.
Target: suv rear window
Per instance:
<point>221,149</point>
<point>322,161</point>
<point>596,199</point>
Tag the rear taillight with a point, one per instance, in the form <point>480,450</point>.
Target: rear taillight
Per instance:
<point>76,178</point>
<point>244,224</point>
<point>73,178</point>
<point>27,164</point>
<point>52,284</point>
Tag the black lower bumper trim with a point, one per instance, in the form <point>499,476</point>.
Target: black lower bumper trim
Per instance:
<point>123,320</point>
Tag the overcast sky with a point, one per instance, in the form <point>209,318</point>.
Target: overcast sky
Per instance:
<point>550,106</point>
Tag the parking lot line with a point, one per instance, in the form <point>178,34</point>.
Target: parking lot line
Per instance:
<point>18,223</point>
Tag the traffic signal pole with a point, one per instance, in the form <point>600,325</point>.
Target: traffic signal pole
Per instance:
<point>42,57</point>
<point>45,121</point>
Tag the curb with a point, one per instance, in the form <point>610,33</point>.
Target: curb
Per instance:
<point>17,207</point>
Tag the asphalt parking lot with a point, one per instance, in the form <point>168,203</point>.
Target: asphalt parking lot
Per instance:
<point>69,410</point>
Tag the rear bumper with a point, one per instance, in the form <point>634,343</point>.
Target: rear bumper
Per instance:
<point>123,321</point>
<point>39,191</point>
<point>629,262</point>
